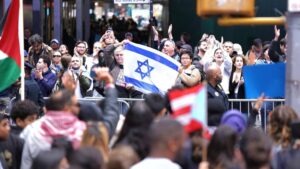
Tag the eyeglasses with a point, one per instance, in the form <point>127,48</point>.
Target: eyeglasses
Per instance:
<point>75,61</point>
<point>56,56</point>
<point>96,47</point>
<point>83,47</point>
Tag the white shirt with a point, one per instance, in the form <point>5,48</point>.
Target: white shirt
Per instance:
<point>156,163</point>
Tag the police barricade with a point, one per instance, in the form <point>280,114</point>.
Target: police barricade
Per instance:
<point>245,106</point>
<point>122,103</point>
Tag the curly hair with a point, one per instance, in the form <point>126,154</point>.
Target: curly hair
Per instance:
<point>279,128</point>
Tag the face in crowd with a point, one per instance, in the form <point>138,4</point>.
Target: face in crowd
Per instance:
<point>81,48</point>
<point>218,56</point>
<point>218,75</point>
<point>257,49</point>
<point>4,129</point>
<point>40,65</point>
<point>75,62</point>
<point>96,47</point>
<point>109,38</point>
<point>63,49</point>
<point>186,60</point>
<point>37,48</point>
<point>203,46</point>
<point>27,33</point>
<point>56,57</point>
<point>169,48</point>
<point>228,47</point>
<point>119,55</point>
<point>54,46</point>
<point>239,62</point>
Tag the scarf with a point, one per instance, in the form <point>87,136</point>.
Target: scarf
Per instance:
<point>62,124</point>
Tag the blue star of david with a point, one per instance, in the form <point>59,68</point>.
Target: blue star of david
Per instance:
<point>139,69</point>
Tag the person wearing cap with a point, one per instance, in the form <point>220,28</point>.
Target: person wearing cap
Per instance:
<point>37,49</point>
<point>54,44</point>
<point>235,120</point>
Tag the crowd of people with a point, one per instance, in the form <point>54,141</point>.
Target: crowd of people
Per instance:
<point>52,129</point>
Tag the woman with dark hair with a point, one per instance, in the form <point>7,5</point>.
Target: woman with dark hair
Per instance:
<point>236,83</point>
<point>220,151</point>
<point>133,133</point>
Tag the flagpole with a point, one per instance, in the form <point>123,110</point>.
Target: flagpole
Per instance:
<point>21,39</point>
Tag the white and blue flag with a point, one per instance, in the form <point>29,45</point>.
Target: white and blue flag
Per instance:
<point>149,70</point>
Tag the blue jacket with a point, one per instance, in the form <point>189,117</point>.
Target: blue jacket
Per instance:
<point>47,83</point>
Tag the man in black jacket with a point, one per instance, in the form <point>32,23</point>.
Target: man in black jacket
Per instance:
<point>217,100</point>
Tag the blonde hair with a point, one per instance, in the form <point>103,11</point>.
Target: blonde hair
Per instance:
<point>96,135</point>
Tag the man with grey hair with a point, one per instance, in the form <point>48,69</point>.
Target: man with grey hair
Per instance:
<point>169,49</point>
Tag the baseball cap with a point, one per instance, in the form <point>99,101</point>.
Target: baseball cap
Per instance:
<point>234,119</point>
<point>54,41</point>
<point>28,66</point>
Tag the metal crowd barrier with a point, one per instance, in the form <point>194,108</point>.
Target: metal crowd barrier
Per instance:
<point>244,105</point>
<point>123,105</point>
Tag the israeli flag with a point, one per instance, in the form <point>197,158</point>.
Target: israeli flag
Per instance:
<point>149,70</point>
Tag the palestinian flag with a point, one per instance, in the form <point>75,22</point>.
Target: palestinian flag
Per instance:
<point>11,45</point>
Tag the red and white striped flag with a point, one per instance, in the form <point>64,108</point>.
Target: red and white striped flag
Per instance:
<point>189,107</point>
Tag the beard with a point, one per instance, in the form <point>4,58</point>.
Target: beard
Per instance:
<point>219,80</point>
